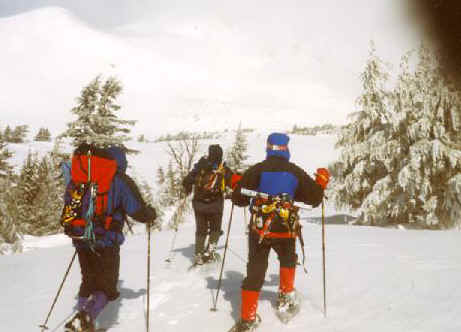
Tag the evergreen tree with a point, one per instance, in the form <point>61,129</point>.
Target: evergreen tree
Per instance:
<point>49,199</point>
<point>43,135</point>
<point>423,168</point>
<point>236,156</point>
<point>357,171</point>
<point>97,122</point>
<point>404,165</point>
<point>39,196</point>
<point>19,134</point>
<point>5,154</point>
<point>172,188</point>
<point>25,192</point>
<point>10,239</point>
<point>160,176</point>
<point>7,134</point>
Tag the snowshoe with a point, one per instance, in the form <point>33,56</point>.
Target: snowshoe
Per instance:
<point>211,256</point>
<point>198,259</point>
<point>205,262</point>
<point>288,306</point>
<point>81,322</point>
<point>246,326</point>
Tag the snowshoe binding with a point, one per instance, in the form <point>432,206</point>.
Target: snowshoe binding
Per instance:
<point>288,305</point>
<point>81,322</point>
<point>206,261</point>
<point>210,255</point>
<point>246,326</point>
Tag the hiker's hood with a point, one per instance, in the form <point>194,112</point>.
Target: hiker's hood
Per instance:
<point>215,154</point>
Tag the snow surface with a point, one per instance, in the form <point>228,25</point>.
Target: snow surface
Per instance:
<point>377,279</point>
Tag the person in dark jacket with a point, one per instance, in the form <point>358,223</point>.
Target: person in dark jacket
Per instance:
<point>210,179</point>
<point>268,229</point>
<point>100,260</point>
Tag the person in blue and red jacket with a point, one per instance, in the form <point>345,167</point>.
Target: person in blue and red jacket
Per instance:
<point>275,175</point>
<point>117,196</point>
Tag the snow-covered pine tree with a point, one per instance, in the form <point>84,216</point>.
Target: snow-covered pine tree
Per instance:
<point>7,134</point>
<point>49,199</point>
<point>25,193</point>
<point>10,240</point>
<point>357,172</point>
<point>97,122</point>
<point>237,156</point>
<point>43,135</point>
<point>160,176</point>
<point>5,154</point>
<point>9,236</point>
<point>19,134</point>
<point>423,182</point>
<point>39,196</point>
<point>171,188</point>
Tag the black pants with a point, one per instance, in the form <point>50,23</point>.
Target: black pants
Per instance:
<point>100,271</point>
<point>208,216</point>
<point>258,254</point>
<point>205,222</point>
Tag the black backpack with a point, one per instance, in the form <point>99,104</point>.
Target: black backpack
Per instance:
<point>210,183</point>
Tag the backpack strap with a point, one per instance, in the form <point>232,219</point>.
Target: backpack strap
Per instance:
<point>89,227</point>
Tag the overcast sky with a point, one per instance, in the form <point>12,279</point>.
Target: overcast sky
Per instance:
<point>301,57</point>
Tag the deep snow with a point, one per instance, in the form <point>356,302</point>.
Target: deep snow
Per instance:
<point>377,279</point>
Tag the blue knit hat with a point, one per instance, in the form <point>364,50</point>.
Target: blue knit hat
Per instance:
<point>277,145</point>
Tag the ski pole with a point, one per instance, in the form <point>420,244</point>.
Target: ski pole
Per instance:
<point>170,258</point>
<point>323,253</point>
<point>223,259</point>
<point>148,276</point>
<point>177,217</point>
<point>43,326</point>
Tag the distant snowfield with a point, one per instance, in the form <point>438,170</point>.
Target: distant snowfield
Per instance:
<point>173,79</point>
<point>377,279</point>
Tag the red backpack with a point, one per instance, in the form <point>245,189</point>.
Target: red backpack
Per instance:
<point>92,173</point>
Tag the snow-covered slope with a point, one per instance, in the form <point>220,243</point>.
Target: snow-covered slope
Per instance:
<point>377,280</point>
<point>198,73</point>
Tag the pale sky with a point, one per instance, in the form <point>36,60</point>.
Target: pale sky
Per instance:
<point>197,64</point>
